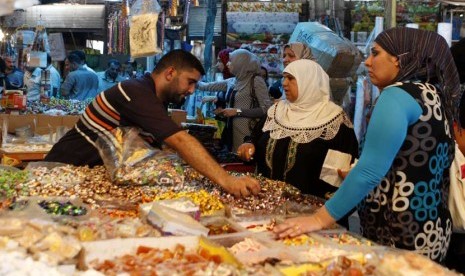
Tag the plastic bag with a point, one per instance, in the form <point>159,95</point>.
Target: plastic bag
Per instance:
<point>143,28</point>
<point>129,160</point>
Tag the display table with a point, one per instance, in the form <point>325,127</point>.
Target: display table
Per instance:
<point>24,156</point>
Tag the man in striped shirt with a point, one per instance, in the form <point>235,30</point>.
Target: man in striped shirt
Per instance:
<point>143,103</point>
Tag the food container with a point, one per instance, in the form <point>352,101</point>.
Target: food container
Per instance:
<point>24,132</point>
<point>219,226</point>
<point>343,238</point>
<point>13,99</point>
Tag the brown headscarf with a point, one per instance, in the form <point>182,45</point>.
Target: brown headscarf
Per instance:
<point>424,55</point>
<point>301,51</point>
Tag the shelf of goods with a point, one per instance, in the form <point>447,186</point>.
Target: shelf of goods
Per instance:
<point>65,220</point>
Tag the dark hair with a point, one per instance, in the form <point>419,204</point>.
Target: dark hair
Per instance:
<point>462,111</point>
<point>73,58</point>
<point>81,55</point>
<point>2,65</point>
<point>180,60</point>
<point>113,61</point>
<point>458,53</point>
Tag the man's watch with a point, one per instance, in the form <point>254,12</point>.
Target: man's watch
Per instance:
<point>238,112</point>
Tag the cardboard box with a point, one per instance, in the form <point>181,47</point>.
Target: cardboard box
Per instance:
<point>70,120</point>
<point>40,123</point>
<point>18,121</point>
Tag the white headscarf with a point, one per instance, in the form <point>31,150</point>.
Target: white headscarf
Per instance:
<point>312,115</point>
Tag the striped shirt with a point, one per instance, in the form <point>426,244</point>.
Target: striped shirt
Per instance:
<point>132,103</point>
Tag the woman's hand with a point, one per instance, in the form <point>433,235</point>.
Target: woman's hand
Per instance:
<point>229,112</point>
<point>294,227</point>
<point>246,151</point>
<point>342,173</point>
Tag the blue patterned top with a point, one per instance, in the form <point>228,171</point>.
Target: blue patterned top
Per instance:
<point>402,176</point>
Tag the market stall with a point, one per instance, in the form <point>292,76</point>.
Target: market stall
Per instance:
<point>68,220</point>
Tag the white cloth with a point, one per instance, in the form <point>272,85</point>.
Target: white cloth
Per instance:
<point>457,192</point>
<point>312,115</point>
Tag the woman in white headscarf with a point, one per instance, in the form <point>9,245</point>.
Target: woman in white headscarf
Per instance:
<point>300,130</point>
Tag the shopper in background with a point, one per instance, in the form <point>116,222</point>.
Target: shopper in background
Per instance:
<point>458,52</point>
<point>142,103</point>
<point>240,110</point>
<point>79,84</point>
<point>82,57</point>
<point>14,78</point>
<point>55,78</point>
<point>228,80</point>
<point>34,77</point>
<point>300,130</point>
<point>456,254</point>
<point>129,70</point>
<point>2,74</point>
<point>110,76</point>
<point>291,52</point>
<point>402,177</point>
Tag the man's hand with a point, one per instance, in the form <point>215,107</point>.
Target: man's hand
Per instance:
<point>241,186</point>
<point>246,151</point>
<point>195,155</point>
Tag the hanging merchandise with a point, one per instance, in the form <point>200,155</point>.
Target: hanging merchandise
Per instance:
<point>37,56</point>
<point>187,8</point>
<point>174,7</point>
<point>161,30</point>
<point>118,42</point>
<point>143,28</point>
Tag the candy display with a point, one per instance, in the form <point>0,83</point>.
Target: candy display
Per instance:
<point>319,253</point>
<point>161,171</point>
<point>77,206</point>
<point>57,107</point>
<point>246,246</point>
<point>259,227</point>
<point>164,261</point>
<point>11,185</point>
<point>220,229</point>
<point>62,208</point>
<point>271,198</point>
<point>300,240</point>
<point>345,238</point>
<point>208,203</point>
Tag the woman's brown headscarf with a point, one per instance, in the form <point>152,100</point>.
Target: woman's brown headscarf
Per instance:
<point>424,55</point>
